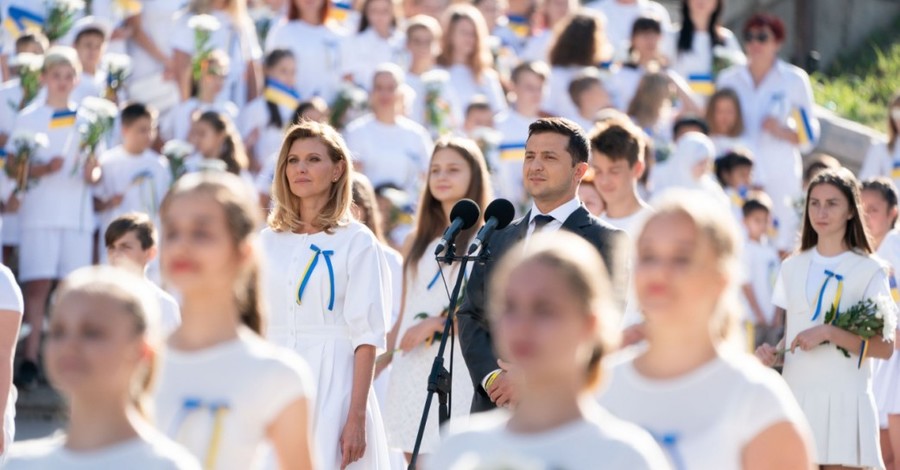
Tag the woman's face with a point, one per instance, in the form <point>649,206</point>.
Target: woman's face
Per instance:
<point>420,44</point>
<point>541,325</point>
<point>93,347</point>
<point>463,38</point>
<point>207,140</point>
<point>761,45</point>
<point>284,71</point>
<point>449,176</point>
<point>724,116</point>
<point>380,14</point>
<point>702,8</point>
<point>876,214</point>
<point>200,255</point>
<point>828,211</point>
<point>677,276</point>
<point>384,94</point>
<point>310,172</point>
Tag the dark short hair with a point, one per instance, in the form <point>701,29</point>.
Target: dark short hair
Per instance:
<point>690,121</point>
<point>136,222</point>
<point>756,204</point>
<point>578,141</point>
<point>766,20</point>
<point>619,142</point>
<point>89,31</point>
<point>646,24</point>
<point>582,83</point>
<point>730,161</point>
<point>134,111</point>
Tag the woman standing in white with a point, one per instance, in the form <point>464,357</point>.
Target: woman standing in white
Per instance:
<point>553,321</point>
<point>883,158</point>
<point>777,107</point>
<point>101,350</point>
<point>328,291</point>
<point>457,170</point>
<point>11,309</point>
<point>834,269</point>
<point>707,403</point>
<point>315,44</point>
<point>224,392</point>
<point>380,39</point>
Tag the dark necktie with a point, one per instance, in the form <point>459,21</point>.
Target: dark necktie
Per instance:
<point>541,220</point>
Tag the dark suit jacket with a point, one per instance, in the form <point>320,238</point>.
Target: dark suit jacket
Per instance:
<point>474,335</point>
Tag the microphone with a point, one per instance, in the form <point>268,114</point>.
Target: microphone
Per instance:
<point>497,216</point>
<point>462,217</point>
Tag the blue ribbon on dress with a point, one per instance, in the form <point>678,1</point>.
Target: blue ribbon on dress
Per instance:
<point>669,442</point>
<point>310,267</point>
<point>837,298</point>
<point>434,280</point>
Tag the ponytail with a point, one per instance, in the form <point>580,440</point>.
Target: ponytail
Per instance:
<point>274,115</point>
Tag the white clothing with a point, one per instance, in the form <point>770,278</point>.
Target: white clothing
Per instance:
<point>597,441</point>
<point>179,120</point>
<point>761,265</point>
<point>149,451</point>
<point>11,300</point>
<point>621,17</point>
<point>557,101</point>
<point>395,267</point>
<point>886,379</point>
<point>697,63</point>
<point>365,51</point>
<point>704,418</point>
<point>881,161</point>
<point>513,128</point>
<point>10,98</point>
<point>157,18</point>
<point>725,144</point>
<point>53,253</point>
<point>143,180</point>
<point>466,86</point>
<point>630,223</point>
<point>90,85</point>
<point>426,297</point>
<point>560,214</point>
<point>343,305</point>
<point>317,49</point>
<point>169,310</point>
<point>220,401</point>
<point>255,117</point>
<point>833,391</point>
<point>777,164</point>
<point>623,84</point>
<point>397,153</point>
<point>537,47</point>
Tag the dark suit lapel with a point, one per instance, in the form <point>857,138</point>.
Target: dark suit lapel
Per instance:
<point>577,220</point>
<point>521,230</point>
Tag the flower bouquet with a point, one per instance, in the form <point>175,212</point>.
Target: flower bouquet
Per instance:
<point>61,16</point>
<point>99,116</point>
<point>724,58</point>
<point>29,66</point>
<point>203,27</point>
<point>866,319</point>
<point>24,146</point>
<point>437,110</point>
<point>117,67</point>
<point>350,102</point>
<point>176,151</point>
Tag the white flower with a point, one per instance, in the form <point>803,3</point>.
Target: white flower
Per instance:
<point>117,63</point>
<point>67,5</point>
<point>731,56</point>
<point>28,61</point>
<point>41,140</point>
<point>177,149</point>
<point>435,79</point>
<point>888,309</point>
<point>99,108</point>
<point>207,23</point>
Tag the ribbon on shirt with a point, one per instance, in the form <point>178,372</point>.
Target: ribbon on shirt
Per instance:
<point>310,267</point>
<point>863,349</point>
<point>434,280</point>
<point>669,443</point>
<point>837,296</point>
<point>218,410</point>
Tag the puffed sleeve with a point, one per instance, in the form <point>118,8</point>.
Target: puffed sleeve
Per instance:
<point>366,306</point>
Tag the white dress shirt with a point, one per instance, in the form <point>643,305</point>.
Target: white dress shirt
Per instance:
<point>560,214</point>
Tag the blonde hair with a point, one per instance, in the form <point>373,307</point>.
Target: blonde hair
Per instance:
<point>242,220</point>
<point>131,294</point>
<point>61,55</point>
<point>579,264</point>
<point>721,234</point>
<point>285,215</point>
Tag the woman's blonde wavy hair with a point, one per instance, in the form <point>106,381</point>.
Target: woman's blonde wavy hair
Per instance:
<point>285,214</point>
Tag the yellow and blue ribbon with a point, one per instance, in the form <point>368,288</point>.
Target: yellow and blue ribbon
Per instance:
<point>434,280</point>
<point>339,10</point>
<point>837,296</point>
<point>512,151</point>
<point>895,170</point>
<point>310,267</point>
<point>218,410</point>
<point>519,25</point>
<point>804,127</point>
<point>63,118</point>
<point>863,349</point>
<point>19,21</point>
<point>702,83</point>
<point>281,94</point>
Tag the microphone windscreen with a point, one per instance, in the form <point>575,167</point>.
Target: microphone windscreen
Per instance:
<point>502,210</point>
<point>467,210</point>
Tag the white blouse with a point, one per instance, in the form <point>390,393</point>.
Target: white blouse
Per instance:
<point>317,49</point>
<point>365,51</point>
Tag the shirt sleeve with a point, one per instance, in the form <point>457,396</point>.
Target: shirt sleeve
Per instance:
<point>182,38</point>
<point>10,293</point>
<point>289,379</point>
<point>367,314</point>
<point>768,401</point>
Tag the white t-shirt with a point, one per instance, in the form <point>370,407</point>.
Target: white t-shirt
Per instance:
<point>704,418</point>
<point>142,179</point>
<point>557,100</point>
<point>157,18</point>
<point>91,84</point>
<point>10,300</point>
<point>878,285</point>
<point>255,117</point>
<point>228,395</point>
<point>169,311</point>
<point>397,153</point>
<point>629,223</point>
<point>623,84</point>
<point>317,49</point>
<point>698,60</point>
<point>466,86</point>
<point>761,266</point>
<point>513,128</point>
<point>598,441</point>
<point>365,51</point>
<point>178,121</point>
<point>881,161</point>
<point>150,451</point>
<point>621,17</point>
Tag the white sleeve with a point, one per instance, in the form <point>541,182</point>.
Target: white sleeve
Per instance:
<point>779,293</point>
<point>367,314</point>
<point>767,401</point>
<point>878,285</point>
<point>732,43</point>
<point>272,39</point>
<point>496,97</point>
<point>877,162</point>
<point>287,379</point>
<point>10,293</point>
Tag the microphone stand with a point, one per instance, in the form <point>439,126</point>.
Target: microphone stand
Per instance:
<point>439,381</point>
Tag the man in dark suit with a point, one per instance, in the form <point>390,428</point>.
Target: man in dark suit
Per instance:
<point>556,158</point>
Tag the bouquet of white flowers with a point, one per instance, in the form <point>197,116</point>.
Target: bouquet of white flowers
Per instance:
<point>203,27</point>
<point>437,110</point>
<point>176,151</point>
<point>118,66</point>
<point>866,319</point>
<point>99,116</point>
<point>24,147</point>
<point>349,103</point>
<point>29,66</point>
<point>61,15</point>
<point>724,58</point>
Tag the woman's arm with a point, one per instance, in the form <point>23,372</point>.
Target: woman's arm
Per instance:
<point>353,437</point>
<point>141,39</point>
<point>780,447</point>
<point>817,335</point>
<point>9,332</point>
<point>254,79</point>
<point>181,67</point>
<point>290,436</point>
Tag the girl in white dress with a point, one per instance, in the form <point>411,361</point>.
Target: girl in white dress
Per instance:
<point>218,145</point>
<point>328,293</point>
<point>457,170</point>
<point>226,394</point>
<point>264,119</point>
<point>378,40</point>
<point>554,323</point>
<point>101,351</point>
<point>834,269</point>
<point>879,202</point>
<point>316,46</point>
<point>883,158</point>
<point>467,58</point>
<point>710,405</point>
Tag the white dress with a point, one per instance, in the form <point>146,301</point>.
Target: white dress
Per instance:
<point>598,441</point>
<point>425,295</point>
<point>220,401</point>
<point>834,393</point>
<point>344,305</point>
<point>881,161</point>
<point>886,381</point>
<point>317,49</point>
<point>704,418</point>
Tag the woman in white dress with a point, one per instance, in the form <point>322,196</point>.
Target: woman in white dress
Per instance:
<point>457,170</point>
<point>883,158</point>
<point>709,404</point>
<point>264,119</point>
<point>101,352</point>
<point>316,45</point>
<point>879,202</point>
<point>231,398</point>
<point>834,269</point>
<point>554,323</point>
<point>328,292</point>
<point>379,39</point>
<point>467,58</point>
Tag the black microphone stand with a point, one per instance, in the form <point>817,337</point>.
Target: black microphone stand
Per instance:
<point>440,380</point>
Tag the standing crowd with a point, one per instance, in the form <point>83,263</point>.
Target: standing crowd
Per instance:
<point>218,220</point>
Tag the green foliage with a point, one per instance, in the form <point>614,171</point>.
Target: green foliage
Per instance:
<point>860,319</point>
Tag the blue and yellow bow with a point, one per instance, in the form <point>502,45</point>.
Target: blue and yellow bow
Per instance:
<point>310,267</point>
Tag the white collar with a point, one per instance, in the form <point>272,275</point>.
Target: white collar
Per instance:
<point>560,214</point>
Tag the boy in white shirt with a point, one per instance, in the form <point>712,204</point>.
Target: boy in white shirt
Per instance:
<point>131,244</point>
<point>56,214</point>
<point>90,36</point>
<point>590,97</point>
<point>761,266</point>
<point>617,157</point>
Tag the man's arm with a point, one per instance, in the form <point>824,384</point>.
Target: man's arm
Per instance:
<point>474,332</point>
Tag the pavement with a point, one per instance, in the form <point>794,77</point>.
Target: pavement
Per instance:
<point>39,413</point>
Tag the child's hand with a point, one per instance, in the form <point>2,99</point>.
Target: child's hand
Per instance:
<point>91,171</point>
<point>766,354</point>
